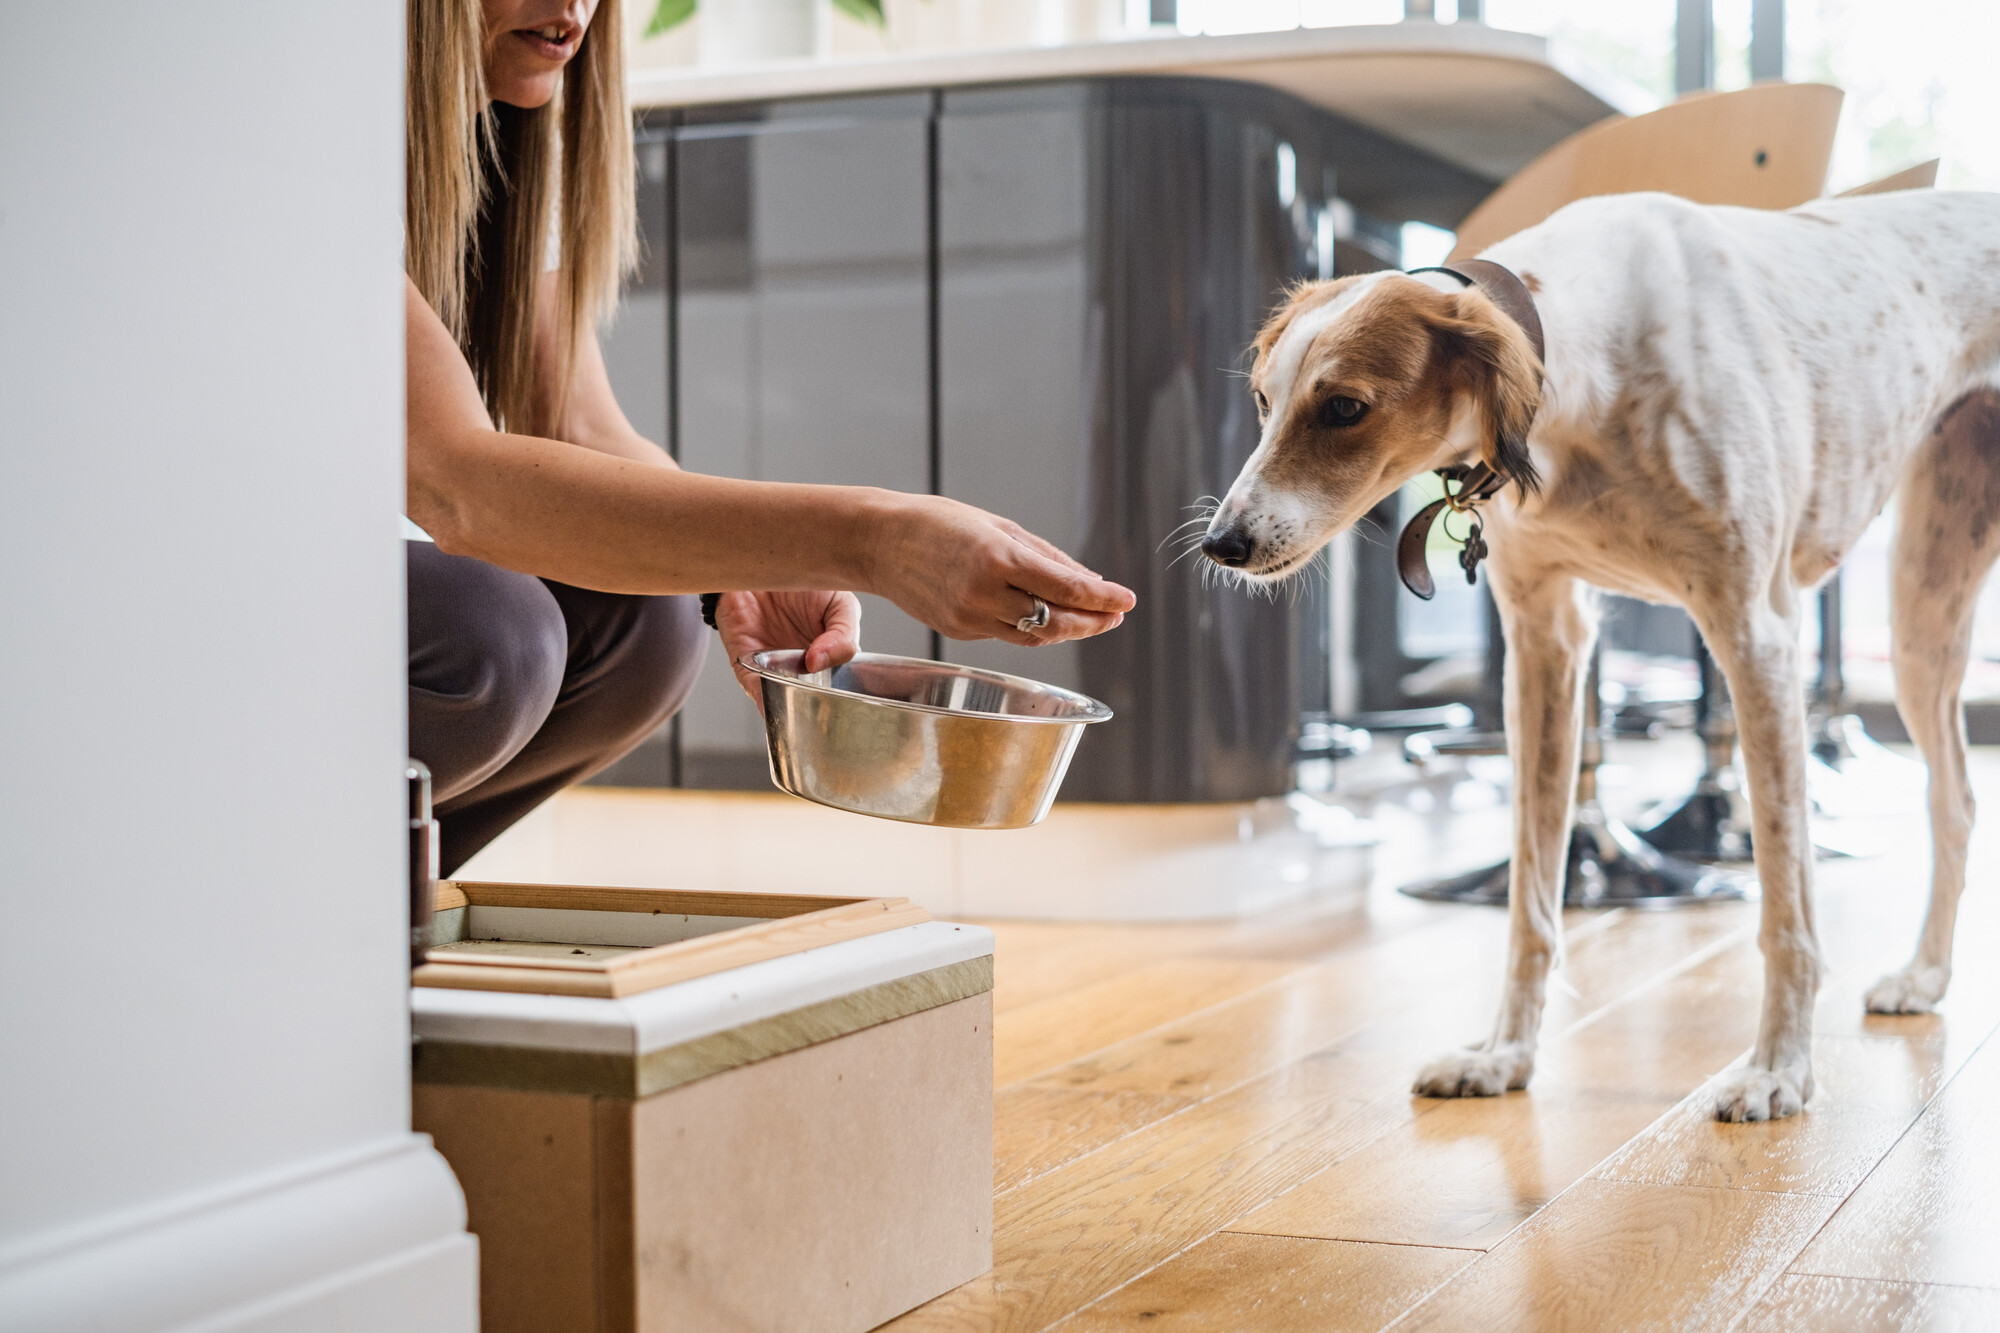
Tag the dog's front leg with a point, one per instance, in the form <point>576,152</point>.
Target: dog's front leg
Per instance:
<point>1550,623</point>
<point>1758,650</point>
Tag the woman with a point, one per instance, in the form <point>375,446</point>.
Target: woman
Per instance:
<point>545,639</point>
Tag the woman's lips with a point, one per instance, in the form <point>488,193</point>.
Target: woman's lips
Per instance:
<point>545,48</point>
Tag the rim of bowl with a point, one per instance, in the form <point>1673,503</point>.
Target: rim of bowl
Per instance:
<point>1093,710</point>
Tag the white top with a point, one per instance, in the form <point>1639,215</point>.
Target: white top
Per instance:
<point>656,1019</point>
<point>1483,98</point>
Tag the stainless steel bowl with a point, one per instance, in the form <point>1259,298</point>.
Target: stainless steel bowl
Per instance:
<point>923,742</point>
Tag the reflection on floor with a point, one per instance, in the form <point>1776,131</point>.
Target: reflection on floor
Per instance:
<point>1207,1125</point>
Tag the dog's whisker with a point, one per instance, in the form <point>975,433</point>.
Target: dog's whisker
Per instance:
<point>1179,532</point>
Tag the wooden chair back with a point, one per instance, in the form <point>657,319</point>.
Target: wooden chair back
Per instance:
<point>1766,146</point>
<point>1920,177</point>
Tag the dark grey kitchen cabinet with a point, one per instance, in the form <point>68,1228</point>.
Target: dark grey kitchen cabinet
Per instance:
<point>801,336</point>
<point>1037,299</point>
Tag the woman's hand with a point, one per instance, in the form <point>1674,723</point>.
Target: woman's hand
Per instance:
<point>826,624</point>
<point>972,575</point>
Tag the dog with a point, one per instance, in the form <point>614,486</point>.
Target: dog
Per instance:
<point>1727,398</point>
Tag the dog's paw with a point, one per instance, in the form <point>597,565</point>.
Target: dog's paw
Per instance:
<point>1914,990</point>
<point>1475,1073</point>
<point>1760,1094</point>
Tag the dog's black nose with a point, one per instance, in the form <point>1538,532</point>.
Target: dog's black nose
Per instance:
<point>1231,546</point>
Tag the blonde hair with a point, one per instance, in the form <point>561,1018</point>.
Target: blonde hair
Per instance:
<point>478,199</point>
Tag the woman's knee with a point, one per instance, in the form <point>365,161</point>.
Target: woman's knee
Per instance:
<point>488,649</point>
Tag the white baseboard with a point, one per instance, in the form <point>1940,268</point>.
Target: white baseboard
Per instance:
<point>370,1239</point>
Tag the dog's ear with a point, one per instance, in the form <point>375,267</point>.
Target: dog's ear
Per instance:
<point>1490,357</point>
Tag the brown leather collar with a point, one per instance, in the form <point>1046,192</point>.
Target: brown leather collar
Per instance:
<point>1478,483</point>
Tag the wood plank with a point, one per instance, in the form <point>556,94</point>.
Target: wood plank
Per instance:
<point>1077,1232</point>
<point>1826,1150</point>
<point>1462,1175</point>
<point>1359,1016</point>
<point>1035,1038</point>
<point>705,955</point>
<point>531,981</point>
<point>1037,1128</point>
<point>1465,1173</point>
<point>1931,1211</point>
<point>1867,1091</point>
<point>1607,1255</point>
<point>605,898</point>
<point>666,964</point>
<point>1635,950</point>
<point>1118,1091</point>
<point>1856,1305</point>
<point>1241,1037</point>
<point>1069,1023</point>
<point>1038,960</point>
<point>1321,1012</point>
<point>1451,971</point>
<point>1662,1040</point>
<point>1273,1284</point>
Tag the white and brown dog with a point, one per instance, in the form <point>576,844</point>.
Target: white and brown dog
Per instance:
<point>1728,397</point>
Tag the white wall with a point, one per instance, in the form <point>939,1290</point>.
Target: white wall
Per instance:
<point>203,1051</point>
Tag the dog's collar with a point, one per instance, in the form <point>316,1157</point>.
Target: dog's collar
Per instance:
<point>1479,482</point>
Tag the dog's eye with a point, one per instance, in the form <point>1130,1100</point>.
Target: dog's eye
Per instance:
<point>1341,411</point>
<point>1263,403</point>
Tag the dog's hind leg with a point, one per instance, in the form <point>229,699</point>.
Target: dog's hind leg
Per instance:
<point>1754,633</point>
<point>1947,534</point>
<point>1550,623</point>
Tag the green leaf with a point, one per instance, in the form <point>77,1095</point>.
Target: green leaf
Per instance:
<point>670,14</point>
<point>865,11</point>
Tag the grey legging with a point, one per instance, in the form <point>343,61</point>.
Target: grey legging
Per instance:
<point>520,686</point>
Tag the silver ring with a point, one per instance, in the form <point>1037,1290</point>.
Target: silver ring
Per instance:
<point>1035,621</point>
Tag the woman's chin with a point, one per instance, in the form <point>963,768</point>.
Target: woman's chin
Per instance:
<point>525,94</point>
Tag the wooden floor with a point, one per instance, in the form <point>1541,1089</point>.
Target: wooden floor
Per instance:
<point>1209,1127</point>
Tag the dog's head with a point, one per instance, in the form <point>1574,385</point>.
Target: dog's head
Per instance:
<point>1361,384</point>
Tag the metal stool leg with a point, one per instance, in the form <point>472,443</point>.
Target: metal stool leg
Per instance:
<point>1829,738</point>
<point>1852,773</point>
<point>1837,736</point>
<point>1609,864</point>
<point>1713,824</point>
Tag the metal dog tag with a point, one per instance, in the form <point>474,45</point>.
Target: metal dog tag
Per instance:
<point>1411,562</point>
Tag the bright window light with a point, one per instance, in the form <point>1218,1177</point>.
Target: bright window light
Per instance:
<point>1425,245</point>
<point>1227,16</point>
<point>1351,13</point>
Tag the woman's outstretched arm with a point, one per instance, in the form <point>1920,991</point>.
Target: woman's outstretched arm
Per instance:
<point>620,523</point>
